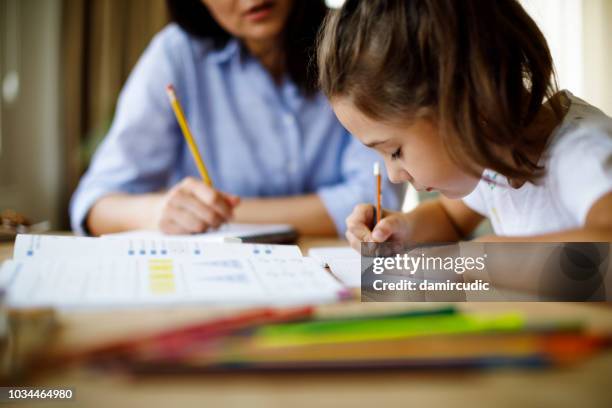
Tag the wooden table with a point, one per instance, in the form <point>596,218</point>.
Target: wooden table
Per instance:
<point>586,384</point>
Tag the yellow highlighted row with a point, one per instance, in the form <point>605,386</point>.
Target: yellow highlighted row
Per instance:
<point>161,276</point>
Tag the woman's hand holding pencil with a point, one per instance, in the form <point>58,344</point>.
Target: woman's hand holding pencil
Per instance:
<point>192,206</point>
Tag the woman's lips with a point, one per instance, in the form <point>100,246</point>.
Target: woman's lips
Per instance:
<point>260,11</point>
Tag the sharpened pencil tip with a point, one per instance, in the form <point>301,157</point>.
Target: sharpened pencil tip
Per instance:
<point>170,91</point>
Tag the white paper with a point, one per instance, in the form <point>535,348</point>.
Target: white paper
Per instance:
<point>347,270</point>
<point>229,230</point>
<point>344,263</point>
<point>50,246</point>
<point>325,254</point>
<point>80,282</point>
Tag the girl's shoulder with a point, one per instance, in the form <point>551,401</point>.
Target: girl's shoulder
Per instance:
<point>584,128</point>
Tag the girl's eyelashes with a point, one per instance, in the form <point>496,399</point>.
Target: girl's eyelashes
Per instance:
<point>396,154</point>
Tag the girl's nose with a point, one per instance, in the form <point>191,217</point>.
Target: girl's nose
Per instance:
<point>398,175</point>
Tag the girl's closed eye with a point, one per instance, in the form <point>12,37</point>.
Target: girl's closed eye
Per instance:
<point>396,154</point>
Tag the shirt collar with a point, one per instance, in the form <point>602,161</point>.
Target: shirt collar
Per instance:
<point>226,53</point>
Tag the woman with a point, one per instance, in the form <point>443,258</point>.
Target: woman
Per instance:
<point>274,149</point>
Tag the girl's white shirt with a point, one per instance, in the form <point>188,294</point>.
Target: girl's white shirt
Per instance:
<point>578,166</point>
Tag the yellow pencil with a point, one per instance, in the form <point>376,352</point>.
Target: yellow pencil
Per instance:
<point>180,117</point>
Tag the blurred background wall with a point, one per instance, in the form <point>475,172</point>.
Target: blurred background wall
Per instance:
<point>62,65</point>
<point>578,34</point>
<point>101,42</point>
<point>31,143</point>
<point>63,62</point>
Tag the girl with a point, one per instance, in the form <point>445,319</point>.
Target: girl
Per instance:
<point>459,97</point>
<point>241,71</point>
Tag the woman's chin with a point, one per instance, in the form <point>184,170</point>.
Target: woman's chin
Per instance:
<point>263,31</point>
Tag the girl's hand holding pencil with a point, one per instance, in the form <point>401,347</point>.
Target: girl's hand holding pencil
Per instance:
<point>372,223</point>
<point>361,225</point>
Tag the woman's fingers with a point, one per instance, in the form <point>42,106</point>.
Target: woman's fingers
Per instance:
<point>186,222</point>
<point>192,206</point>
<point>234,200</point>
<point>167,226</point>
<point>214,199</point>
<point>200,210</point>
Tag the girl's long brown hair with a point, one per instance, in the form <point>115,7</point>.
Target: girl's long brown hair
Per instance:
<point>480,68</point>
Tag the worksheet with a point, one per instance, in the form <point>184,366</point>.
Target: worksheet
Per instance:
<point>107,282</point>
<point>348,271</point>
<point>49,246</point>
<point>225,233</point>
<point>344,263</point>
<point>326,254</point>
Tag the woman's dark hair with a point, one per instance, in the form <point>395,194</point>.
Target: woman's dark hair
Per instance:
<point>480,68</point>
<point>300,34</point>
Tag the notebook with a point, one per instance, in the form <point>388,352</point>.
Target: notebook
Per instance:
<point>79,272</point>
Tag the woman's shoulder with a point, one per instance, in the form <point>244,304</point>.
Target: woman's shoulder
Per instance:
<point>174,40</point>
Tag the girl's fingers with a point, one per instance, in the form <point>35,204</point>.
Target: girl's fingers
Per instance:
<point>353,241</point>
<point>362,214</point>
<point>386,228</point>
<point>361,232</point>
<point>359,220</point>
